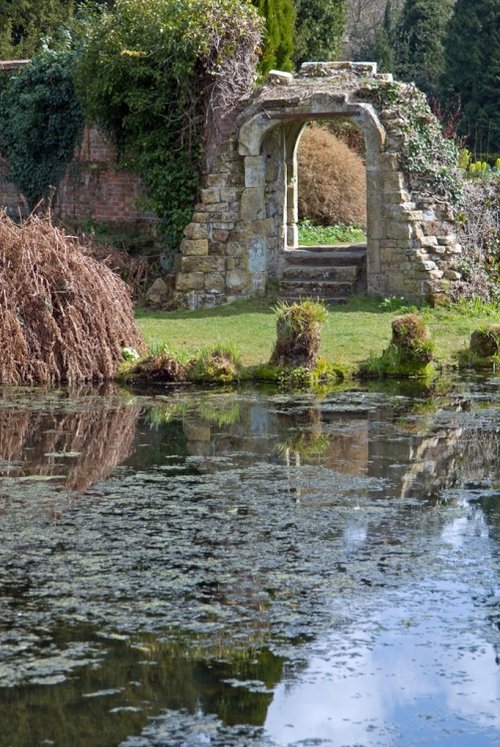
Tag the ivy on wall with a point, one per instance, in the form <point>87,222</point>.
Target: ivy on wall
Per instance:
<point>40,123</point>
<point>428,158</point>
<point>158,76</point>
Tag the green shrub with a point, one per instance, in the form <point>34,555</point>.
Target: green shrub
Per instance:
<point>484,348</point>
<point>40,123</point>
<point>220,364</point>
<point>157,75</point>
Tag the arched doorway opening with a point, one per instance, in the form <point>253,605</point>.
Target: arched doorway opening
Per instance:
<point>331,184</point>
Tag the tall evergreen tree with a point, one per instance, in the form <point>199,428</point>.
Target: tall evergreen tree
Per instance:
<point>420,42</point>
<point>472,71</point>
<point>383,51</point>
<point>278,42</point>
<point>24,24</point>
<point>320,28</point>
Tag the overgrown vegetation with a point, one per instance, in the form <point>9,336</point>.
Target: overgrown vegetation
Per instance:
<point>479,235</point>
<point>64,317</point>
<point>40,123</point>
<point>484,348</point>
<point>298,334</point>
<point>409,353</point>
<point>159,77</point>
<point>428,158</point>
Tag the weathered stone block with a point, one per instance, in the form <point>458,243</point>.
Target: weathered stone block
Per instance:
<point>219,234</point>
<point>194,247</point>
<point>252,204</point>
<point>254,171</point>
<point>210,195</point>
<point>196,231</point>
<point>202,264</point>
<point>215,282</point>
<point>189,281</point>
<point>398,230</point>
<point>280,78</point>
<point>237,280</point>
<point>452,275</point>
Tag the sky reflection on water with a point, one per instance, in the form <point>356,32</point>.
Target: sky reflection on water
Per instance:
<point>250,569</point>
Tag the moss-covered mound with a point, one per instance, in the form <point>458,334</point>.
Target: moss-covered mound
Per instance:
<point>484,348</point>
<point>298,334</point>
<point>409,352</point>
<point>64,317</point>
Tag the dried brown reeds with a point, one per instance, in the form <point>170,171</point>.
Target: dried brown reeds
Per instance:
<point>79,447</point>
<point>64,317</point>
<point>332,179</point>
<point>134,271</point>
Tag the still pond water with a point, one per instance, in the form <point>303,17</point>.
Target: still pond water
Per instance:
<point>250,567</point>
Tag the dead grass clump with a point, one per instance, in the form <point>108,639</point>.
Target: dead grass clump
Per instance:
<point>157,369</point>
<point>332,179</point>
<point>298,334</point>
<point>134,271</point>
<point>64,317</point>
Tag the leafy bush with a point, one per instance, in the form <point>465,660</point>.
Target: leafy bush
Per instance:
<point>332,180</point>
<point>158,76</point>
<point>40,123</point>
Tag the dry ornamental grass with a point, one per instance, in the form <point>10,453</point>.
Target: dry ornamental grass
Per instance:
<point>332,180</point>
<point>64,317</point>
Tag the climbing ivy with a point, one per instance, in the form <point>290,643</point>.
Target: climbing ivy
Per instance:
<point>40,123</point>
<point>428,158</point>
<point>158,76</point>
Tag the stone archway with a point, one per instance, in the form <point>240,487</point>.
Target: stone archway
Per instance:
<point>247,214</point>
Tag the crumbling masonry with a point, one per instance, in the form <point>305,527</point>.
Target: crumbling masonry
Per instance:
<point>247,215</point>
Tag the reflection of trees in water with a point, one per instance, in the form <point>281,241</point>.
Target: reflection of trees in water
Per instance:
<point>80,438</point>
<point>143,679</point>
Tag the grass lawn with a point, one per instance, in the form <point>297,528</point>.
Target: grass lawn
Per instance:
<point>351,333</point>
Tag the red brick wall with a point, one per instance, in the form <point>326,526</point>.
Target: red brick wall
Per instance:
<point>93,187</point>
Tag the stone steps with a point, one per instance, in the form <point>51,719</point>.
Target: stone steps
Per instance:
<point>329,273</point>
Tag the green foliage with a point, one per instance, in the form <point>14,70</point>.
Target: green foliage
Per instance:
<point>320,28</point>
<point>472,71</point>
<point>40,123</point>
<point>311,235</point>
<point>427,157</point>
<point>25,23</point>
<point>299,316</point>
<point>153,74</point>
<point>278,41</point>
<point>420,42</point>
<point>383,52</point>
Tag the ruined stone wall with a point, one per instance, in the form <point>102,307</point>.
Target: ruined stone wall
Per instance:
<point>247,213</point>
